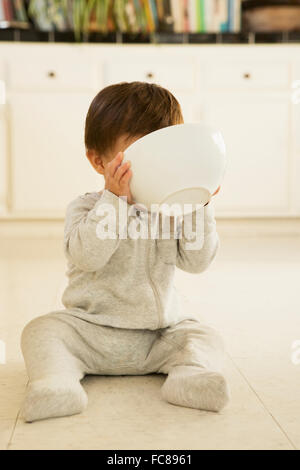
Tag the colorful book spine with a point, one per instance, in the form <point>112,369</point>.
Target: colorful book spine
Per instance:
<point>198,16</point>
<point>238,16</point>
<point>57,15</point>
<point>149,16</point>
<point>111,21</point>
<point>143,16</point>
<point>8,10</point>
<point>224,16</point>
<point>180,27</point>
<point>68,10</point>
<point>39,12</point>
<point>20,12</point>
<point>136,6</point>
<point>153,8</point>
<point>209,14</point>
<point>215,15</point>
<point>177,15</point>
<point>131,16</point>
<point>119,10</point>
<point>167,20</point>
<point>231,15</point>
<point>202,16</point>
<point>186,18</point>
<point>2,16</point>
<point>160,10</point>
<point>192,16</point>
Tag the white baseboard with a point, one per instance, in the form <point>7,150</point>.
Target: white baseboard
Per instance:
<point>31,229</point>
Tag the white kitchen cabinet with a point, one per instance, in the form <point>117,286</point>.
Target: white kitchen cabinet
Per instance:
<point>180,77</point>
<point>51,74</point>
<point>252,93</point>
<point>295,136</point>
<point>3,143</point>
<point>164,69</point>
<point>256,131</point>
<point>245,74</point>
<point>3,158</point>
<point>49,166</point>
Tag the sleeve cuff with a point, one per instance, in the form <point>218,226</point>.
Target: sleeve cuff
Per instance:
<point>118,207</point>
<point>108,197</point>
<point>204,217</point>
<point>209,218</point>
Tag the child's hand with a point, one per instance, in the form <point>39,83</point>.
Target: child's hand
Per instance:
<point>215,193</point>
<point>117,177</point>
<point>218,190</point>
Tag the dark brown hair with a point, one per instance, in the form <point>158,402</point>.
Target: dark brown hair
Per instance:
<point>129,109</point>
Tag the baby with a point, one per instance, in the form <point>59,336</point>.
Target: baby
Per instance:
<point>122,315</point>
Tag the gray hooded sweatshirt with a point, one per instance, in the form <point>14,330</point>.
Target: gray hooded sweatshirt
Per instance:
<point>125,282</point>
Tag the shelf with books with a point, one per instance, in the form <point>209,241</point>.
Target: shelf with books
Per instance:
<point>131,22</point>
<point>126,16</point>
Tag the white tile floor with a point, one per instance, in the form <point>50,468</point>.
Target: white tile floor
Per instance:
<point>251,293</point>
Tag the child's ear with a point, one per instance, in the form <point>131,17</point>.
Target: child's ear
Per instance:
<point>95,160</point>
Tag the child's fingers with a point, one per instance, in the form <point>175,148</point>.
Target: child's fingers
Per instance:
<point>121,171</point>
<point>126,177</point>
<point>217,192</point>
<point>115,163</point>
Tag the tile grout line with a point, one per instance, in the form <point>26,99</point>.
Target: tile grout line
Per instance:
<point>14,427</point>
<point>13,431</point>
<point>263,404</point>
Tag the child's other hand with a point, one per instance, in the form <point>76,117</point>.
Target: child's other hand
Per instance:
<point>218,190</point>
<point>215,193</point>
<point>117,177</point>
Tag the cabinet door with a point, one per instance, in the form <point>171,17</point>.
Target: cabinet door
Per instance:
<point>49,165</point>
<point>3,146</point>
<point>256,131</point>
<point>191,106</point>
<point>295,179</point>
<point>176,74</point>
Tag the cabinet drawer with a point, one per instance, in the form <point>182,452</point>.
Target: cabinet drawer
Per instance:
<point>247,75</point>
<point>176,75</point>
<point>50,74</point>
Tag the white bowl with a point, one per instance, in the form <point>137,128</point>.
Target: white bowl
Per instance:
<point>181,164</point>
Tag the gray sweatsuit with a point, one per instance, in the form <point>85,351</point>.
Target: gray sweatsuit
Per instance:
<point>122,314</point>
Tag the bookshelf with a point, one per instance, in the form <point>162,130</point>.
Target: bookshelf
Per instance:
<point>155,22</point>
<point>33,35</point>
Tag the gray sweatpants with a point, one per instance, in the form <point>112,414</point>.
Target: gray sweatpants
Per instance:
<point>59,344</point>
